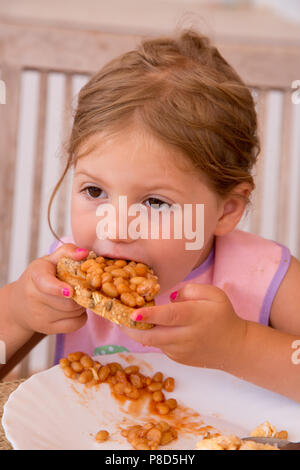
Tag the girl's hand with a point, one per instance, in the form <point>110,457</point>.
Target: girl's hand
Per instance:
<point>198,328</point>
<point>39,302</point>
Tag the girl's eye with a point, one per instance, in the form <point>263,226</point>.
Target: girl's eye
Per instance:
<point>93,191</point>
<point>153,201</point>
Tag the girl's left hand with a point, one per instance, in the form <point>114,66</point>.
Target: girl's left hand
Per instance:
<point>198,328</point>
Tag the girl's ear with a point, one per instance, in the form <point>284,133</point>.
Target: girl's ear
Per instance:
<point>232,208</point>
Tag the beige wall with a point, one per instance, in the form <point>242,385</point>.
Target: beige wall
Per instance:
<point>146,16</point>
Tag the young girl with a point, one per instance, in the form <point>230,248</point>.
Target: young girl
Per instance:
<point>170,123</point>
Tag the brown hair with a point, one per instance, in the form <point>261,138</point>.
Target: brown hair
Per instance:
<point>185,93</point>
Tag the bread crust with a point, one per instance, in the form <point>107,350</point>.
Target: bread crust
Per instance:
<point>114,310</point>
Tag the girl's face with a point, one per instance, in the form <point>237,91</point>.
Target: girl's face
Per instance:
<point>135,164</point>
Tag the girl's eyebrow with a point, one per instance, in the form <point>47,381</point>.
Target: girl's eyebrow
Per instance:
<point>85,174</point>
<point>144,185</point>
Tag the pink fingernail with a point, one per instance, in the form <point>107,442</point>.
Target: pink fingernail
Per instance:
<point>66,292</point>
<point>139,317</point>
<point>80,250</point>
<point>173,295</point>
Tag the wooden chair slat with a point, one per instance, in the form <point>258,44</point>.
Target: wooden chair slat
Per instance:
<point>9,122</point>
<point>38,158</point>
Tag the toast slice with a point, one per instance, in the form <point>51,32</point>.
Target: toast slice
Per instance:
<point>111,288</point>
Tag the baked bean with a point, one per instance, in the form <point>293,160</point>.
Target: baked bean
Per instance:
<point>122,288</point>
<point>120,273</point>
<point>154,386</point>
<point>102,266</point>
<point>87,264</point>
<point>132,430</point>
<point>128,388</point>
<point>77,366</point>
<point>137,280</point>
<point>131,370</point>
<point>109,289</point>
<point>121,376</point>
<point>119,388</point>
<point>154,435</point>
<point>103,373</point>
<point>114,366</point>
<point>95,375</point>
<point>147,381</point>
<point>150,436</point>
<point>102,436</point>
<point>282,435</point>
<point>106,277</point>
<point>131,437</point>
<point>163,426</point>
<point>143,379</point>
<point>132,287</point>
<point>140,445</point>
<point>136,380</point>
<point>86,361</point>
<point>149,425</point>
<point>130,269</point>
<point>169,384</point>
<point>145,288</point>
<point>100,259</point>
<point>162,408</point>
<point>97,365</point>
<point>131,263</point>
<point>139,300</point>
<point>141,269</point>
<point>119,280</point>
<point>142,432</point>
<point>95,268</point>
<point>94,279</point>
<point>128,299</point>
<point>120,263</point>
<point>134,394</point>
<point>112,379</point>
<point>69,372</point>
<point>158,377</point>
<point>166,438</point>
<point>151,275</point>
<point>171,403</point>
<point>76,356</point>
<point>64,362</point>
<point>158,396</point>
<point>109,268</point>
<point>152,293</point>
<point>85,377</point>
<point>149,297</point>
<point>109,262</point>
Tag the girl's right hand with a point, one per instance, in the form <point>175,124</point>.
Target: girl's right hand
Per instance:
<point>40,302</point>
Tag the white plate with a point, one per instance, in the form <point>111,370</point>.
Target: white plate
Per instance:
<point>49,411</point>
